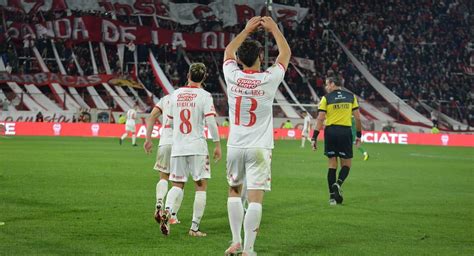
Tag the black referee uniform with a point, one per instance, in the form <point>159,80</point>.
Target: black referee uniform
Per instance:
<point>338,106</point>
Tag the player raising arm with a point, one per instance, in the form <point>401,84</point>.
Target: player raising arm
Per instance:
<point>249,147</point>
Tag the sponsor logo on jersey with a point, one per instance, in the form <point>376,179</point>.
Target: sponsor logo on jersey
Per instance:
<point>186,96</point>
<point>248,83</point>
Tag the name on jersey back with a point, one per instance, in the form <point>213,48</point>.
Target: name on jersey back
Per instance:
<point>246,86</point>
<point>186,100</point>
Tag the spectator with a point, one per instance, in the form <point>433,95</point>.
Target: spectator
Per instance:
<point>287,125</point>
<point>434,117</point>
<point>122,119</point>
<point>225,123</point>
<point>39,117</point>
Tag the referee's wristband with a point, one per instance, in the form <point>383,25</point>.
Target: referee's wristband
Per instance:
<point>359,134</point>
<point>315,135</point>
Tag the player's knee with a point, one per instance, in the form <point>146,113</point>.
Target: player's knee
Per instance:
<point>346,162</point>
<point>255,195</point>
<point>332,162</point>
<point>235,191</point>
<point>178,184</point>
<point>201,185</point>
<point>164,176</point>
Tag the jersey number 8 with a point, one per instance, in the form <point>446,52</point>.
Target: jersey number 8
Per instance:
<point>185,127</point>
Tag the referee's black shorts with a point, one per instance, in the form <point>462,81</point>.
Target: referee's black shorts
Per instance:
<point>338,141</point>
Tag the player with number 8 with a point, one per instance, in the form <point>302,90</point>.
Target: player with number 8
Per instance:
<point>190,108</point>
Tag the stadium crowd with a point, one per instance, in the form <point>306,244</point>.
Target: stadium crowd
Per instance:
<point>418,49</point>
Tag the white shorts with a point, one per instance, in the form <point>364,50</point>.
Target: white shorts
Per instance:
<point>196,165</point>
<point>163,159</point>
<point>130,126</point>
<point>252,164</point>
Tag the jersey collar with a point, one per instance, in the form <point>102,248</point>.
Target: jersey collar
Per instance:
<point>249,71</point>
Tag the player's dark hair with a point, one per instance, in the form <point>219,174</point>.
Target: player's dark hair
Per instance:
<point>197,72</point>
<point>248,52</point>
<point>336,80</point>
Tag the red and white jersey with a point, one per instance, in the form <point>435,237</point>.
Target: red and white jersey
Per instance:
<point>166,136</point>
<point>131,114</point>
<point>250,97</point>
<point>189,107</point>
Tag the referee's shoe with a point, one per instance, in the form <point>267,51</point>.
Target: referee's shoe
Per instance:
<point>336,188</point>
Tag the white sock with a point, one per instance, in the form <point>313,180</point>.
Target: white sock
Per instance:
<point>198,210</point>
<point>251,225</point>
<point>303,140</point>
<point>123,136</point>
<point>161,190</point>
<point>171,198</point>
<point>177,204</point>
<point>134,138</point>
<point>235,209</point>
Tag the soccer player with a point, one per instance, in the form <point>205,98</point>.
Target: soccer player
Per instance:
<point>337,108</point>
<point>354,135</point>
<point>130,126</point>
<point>306,128</point>
<point>190,107</point>
<point>163,156</point>
<point>249,147</point>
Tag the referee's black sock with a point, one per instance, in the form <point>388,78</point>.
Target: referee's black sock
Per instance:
<point>343,175</point>
<point>331,178</point>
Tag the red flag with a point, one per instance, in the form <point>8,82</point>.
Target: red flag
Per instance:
<point>133,74</point>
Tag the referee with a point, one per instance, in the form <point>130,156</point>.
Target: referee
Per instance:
<point>337,108</point>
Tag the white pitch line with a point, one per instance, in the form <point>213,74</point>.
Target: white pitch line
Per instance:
<point>442,157</point>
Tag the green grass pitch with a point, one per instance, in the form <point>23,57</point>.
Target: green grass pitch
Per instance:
<point>63,196</point>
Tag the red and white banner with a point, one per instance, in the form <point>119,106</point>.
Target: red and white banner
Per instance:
<point>160,76</point>
<point>307,64</point>
<point>96,29</point>
<point>289,13</point>
<point>189,13</point>
<point>229,12</point>
<point>116,130</point>
<point>45,78</point>
<point>240,11</point>
<point>464,140</point>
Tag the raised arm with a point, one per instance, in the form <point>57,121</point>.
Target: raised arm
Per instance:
<point>284,51</point>
<point>232,47</point>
